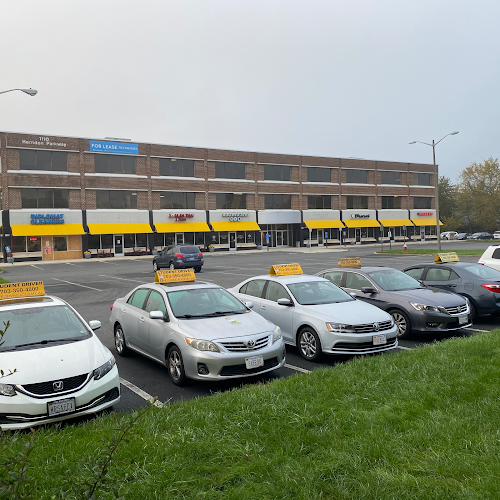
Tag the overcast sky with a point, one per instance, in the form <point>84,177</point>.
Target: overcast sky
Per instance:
<point>341,78</point>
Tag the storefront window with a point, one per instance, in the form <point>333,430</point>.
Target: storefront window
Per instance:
<point>199,239</point>
<point>129,240</point>
<point>169,239</point>
<point>60,244</point>
<point>250,237</point>
<point>240,237</point>
<point>189,238</point>
<point>223,238</point>
<point>106,241</point>
<point>94,241</point>
<point>19,243</point>
<point>34,243</point>
<point>141,239</point>
<point>214,238</point>
<point>159,239</point>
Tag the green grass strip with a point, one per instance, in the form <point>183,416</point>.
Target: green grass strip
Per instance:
<point>4,281</point>
<point>432,251</point>
<point>420,424</point>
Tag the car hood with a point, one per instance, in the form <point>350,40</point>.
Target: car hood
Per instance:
<point>53,362</point>
<point>221,327</point>
<point>354,312</point>
<point>429,296</point>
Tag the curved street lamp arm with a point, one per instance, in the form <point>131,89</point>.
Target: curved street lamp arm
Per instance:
<point>420,142</point>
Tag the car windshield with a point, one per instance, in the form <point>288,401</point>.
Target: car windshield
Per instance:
<point>310,293</point>
<point>189,249</point>
<point>483,271</point>
<point>204,302</point>
<point>393,280</point>
<point>33,327</point>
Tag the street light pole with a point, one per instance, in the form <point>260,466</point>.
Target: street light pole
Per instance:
<point>436,177</point>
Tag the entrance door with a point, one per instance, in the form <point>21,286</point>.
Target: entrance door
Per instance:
<point>118,245</point>
<point>320,237</point>
<point>279,238</point>
<point>179,238</point>
<point>358,236</point>
<point>422,233</point>
<point>232,241</point>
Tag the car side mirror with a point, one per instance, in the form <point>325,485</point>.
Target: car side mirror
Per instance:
<point>249,304</point>
<point>95,324</point>
<point>284,302</point>
<point>156,315</point>
<point>352,294</point>
<point>368,289</point>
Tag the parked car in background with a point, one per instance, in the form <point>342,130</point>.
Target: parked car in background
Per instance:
<point>481,236</point>
<point>496,235</point>
<point>491,257</point>
<point>480,284</point>
<point>463,236</point>
<point>179,257</point>
<point>449,235</point>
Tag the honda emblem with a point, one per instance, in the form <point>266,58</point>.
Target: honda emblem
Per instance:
<point>58,386</point>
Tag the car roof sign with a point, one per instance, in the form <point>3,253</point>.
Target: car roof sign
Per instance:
<point>349,262</point>
<point>21,290</point>
<point>285,269</point>
<point>175,276</point>
<point>441,258</point>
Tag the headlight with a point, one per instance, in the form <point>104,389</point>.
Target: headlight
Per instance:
<point>202,345</point>
<point>105,368</point>
<point>340,328</point>
<point>422,307</point>
<point>277,334</point>
<point>7,390</point>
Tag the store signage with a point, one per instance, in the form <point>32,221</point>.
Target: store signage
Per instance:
<point>360,216</point>
<point>47,218</point>
<point>235,217</point>
<point>43,141</point>
<point>114,147</point>
<point>425,213</point>
<point>180,217</point>
<point>349,262</point>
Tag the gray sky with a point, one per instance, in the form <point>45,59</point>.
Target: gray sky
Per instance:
<point>341,78</point>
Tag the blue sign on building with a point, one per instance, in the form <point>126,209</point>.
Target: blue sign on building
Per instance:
<point>47,218</point>
<point>114,147</point>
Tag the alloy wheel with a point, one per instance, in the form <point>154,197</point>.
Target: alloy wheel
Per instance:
<point>119,340</point>
<point>401,323</point>
<point>308,345</point>
<point>175,365</point>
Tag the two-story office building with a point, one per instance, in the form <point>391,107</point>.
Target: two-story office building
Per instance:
<point>63,196</point>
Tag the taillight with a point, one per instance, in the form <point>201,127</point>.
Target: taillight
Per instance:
<point>200,255</point>
<point>492,288</point>
<point>111,308</point>
<point>179,255</point>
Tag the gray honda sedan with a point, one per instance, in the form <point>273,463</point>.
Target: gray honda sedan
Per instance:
<point>413,306</point>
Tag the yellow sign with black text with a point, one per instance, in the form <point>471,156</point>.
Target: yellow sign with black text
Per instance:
<point>441,258</point>
<point>285,269</point>
<point>19,290</point>
<point>349,262</point>
<point>175,276</point>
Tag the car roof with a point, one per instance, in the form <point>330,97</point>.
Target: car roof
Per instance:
<point>169,287</point>
<point>456,264</point>
<point>289,279</point>
<point>31,302</point>
<point>364,269</point>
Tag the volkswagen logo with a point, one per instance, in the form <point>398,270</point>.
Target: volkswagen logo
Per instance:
<point>251,343</point>
<point>376,327</point>
<point>58,386</point>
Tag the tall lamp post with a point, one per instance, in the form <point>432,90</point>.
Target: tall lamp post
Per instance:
<point>433,145</point>
<point>31,92</point>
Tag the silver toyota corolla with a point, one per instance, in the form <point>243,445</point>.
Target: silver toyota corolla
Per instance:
<point>197,330</point>
<point>318,316</point>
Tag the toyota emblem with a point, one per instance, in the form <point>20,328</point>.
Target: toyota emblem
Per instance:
<point>376,327</point>
<point>58,386</point>
<point>251,343</point>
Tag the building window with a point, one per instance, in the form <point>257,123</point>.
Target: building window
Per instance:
<point>420,202</point>
<point>278,202</point>
<point>391,202</point>
<point>229,170</point>
<point>319,174</point>
<point>44,198</point>
<point>34,159</point>
<point>357,202</point>
<point>230,201</point>
<point>60,244</point>
<point>319,202</point>
<point>177,199</point>
<point>389,177</point>
<point>355,176</point>
<point>116,200</point>
<point>277,172</point>
<point>114,164</point>
<point>421,179</point>
<point>176,168</point>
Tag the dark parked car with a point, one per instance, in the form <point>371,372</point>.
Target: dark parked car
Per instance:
<point>179,257</point>
<point>480,284</point>
<point>463,236</point>
<point>481,236</point>
<point>413,307</point>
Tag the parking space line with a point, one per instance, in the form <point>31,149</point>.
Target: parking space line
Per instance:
<point>405,348</point>
<point>41,268</point>
<point>123,279</point>
<point>296,368</point>
<point>71,264</point>
<point>106,262</point>
<point>476,330</point>
<point>143,394</point>
<point>78,284</point>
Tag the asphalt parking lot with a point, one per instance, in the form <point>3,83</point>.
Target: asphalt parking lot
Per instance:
<point>91,286</point>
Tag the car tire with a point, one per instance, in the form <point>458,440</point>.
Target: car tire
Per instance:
<point>309,344</point>
<point>171,266</point>
<point>402,322</point>
<point>473,312</point>
<point>120,345</point>
<point>175,366</point>
<point>156,267</point>
<point>197,269</point>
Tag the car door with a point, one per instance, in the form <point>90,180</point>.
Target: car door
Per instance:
<point>252,291</point>
<point>157,331</point>
<point>277,314</point>
<point>443,278</point>
<point>354,282</point>
<point>133,318</point>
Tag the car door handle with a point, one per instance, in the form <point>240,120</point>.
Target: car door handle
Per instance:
<point>123,310</point>
<point>263,307</point>
<point>141,319</point>
<point>452,286</point>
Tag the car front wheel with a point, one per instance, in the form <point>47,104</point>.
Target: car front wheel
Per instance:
<point>309,344</point>
<point>121,346</point>
<point>175,366</point>
<point>402,322</point>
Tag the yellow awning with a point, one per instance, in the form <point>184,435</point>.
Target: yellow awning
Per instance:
<point>323,224</point>
<point>425,222</point>
<point>46,229</point>
<point>236,226</point>
<point>182,227</point>
<point>120,228</point>
<point>395,222</point>
<point>361,223</point>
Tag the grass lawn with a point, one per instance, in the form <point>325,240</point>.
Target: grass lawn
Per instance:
<point>4,281</point>
<point>433,251</point>
<point>420,424</point>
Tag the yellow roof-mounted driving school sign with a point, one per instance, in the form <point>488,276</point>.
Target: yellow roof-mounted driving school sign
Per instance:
<point>175,276</point>
<point>349,262</point>
<point>441,258</point>
<point>285,269</point>
<point>21,290</point>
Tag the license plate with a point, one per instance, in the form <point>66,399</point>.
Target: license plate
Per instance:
<point>254,362</point>
<point>61,406</point>
<point>191,258</point>
<point>462,320</point>
<point>379,339</point>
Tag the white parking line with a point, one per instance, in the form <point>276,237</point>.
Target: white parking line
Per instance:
<point>71,264</point>
<point>476,330</point>
<point>123,279</point>
<point>106,262</point>
<point>296,368</point>
<point>41,268</point>
<point>78,284</point>
<point>140,392</point>
<point>405,348</point>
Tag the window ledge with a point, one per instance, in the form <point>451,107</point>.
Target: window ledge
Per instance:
<point>393,185</point>
<point>223,179</point>
<point>357,184</point>
<point>134,176</point>
<point>42,172</point>
<point>177,178</point>
<point>432,187</point>
<point>321,183</point>
<point>278,182</point>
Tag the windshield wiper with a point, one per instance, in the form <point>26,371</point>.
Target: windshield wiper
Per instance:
<point>43,342</point>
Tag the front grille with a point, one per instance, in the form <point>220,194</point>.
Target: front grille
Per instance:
<point>47,388</point>
<point>243,347</point>
<point>364,346</point>
<point>371,328</point>
<point>456,309</point>
<point>235,370</point>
